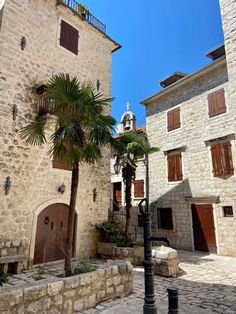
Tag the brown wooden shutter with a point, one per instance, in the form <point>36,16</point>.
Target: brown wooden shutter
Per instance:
<point>178,167</point>
<point>173,119</point>
<point>216,155</point>
<point>60,164</point>
<point>227,159</point>
<point>69,37</point>
<point>138,188</point>
<point>174,167</point>
<point>170,120</point>
<point>220,101</point>
<point>216,103</point>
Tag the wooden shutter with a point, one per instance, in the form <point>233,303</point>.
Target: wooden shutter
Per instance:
<point>173,119</point>
<point>216,155</point>
<point>171,167</point>
<point>174,167</point>
<point>139,188</point>
<point>69,37</point>
<point>216,103</point>
<point>60,164</point>
<point>227,159</point>
<point>178,167</point>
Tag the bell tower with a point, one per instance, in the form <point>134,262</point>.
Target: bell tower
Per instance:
<point>128,120</point>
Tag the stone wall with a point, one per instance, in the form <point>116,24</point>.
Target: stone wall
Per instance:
<point>196,129</point>
<point>72,294</point>
<point>34,182</point>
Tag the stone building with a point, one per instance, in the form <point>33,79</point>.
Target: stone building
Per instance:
<point>38,39</point>
<point>193,176</point>
<point>128,123</point>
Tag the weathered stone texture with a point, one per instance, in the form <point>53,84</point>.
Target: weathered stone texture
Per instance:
<point>196,129</point>
<point>72,294</point>
<point>34,181</point>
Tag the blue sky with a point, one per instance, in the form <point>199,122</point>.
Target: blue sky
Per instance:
<point>158,38</point>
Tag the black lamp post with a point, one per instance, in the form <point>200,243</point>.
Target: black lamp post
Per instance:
<point>150,306</point>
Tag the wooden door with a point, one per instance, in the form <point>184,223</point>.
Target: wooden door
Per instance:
<point>51,233</point>
<point>117,196</point>
<point>203,228</point>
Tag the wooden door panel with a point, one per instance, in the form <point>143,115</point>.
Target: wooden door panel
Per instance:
<point>117,195</point>
<point>51,234</point>
<point>203,228</point>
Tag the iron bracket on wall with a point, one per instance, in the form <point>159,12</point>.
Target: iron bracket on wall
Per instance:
<point>14,112</point>
<point>7,185</point>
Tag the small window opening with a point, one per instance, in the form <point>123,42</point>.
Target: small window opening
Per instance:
<point>228,211</point>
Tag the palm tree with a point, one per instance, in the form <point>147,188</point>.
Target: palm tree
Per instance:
<point>127,147</point>
<point>82,128</point>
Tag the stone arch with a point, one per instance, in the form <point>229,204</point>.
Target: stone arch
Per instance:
<point>39,209</point>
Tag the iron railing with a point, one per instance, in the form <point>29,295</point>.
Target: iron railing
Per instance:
<point>77,8</point>
<point>44,105</point>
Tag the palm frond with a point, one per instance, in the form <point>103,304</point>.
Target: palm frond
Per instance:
<point>91,153</point>
<point>33,133</point>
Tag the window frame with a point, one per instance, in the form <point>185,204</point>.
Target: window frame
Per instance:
<point>135,196</point>
<point>180,119</point>
<point>213,93</point>
<point>77,27</point>
<point>171,153</point>
<point>225,215</point>
<point>169,226</point>
<point>222,159</point>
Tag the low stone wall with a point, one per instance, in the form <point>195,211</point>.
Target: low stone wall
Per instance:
<point>135,255</point>
<point>72,294</point>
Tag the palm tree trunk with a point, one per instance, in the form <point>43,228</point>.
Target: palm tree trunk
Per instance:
<point>128,207</point>
<point>70,229</point>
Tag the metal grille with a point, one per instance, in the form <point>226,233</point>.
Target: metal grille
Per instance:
<point>85,14</point>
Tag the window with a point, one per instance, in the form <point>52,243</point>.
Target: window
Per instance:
<point>139,188</point>
<point>60,164</point>
<point>164,218</point>
<point>228,211</point>
<point>173,119</point>
<point>174,162</point>
<point>216,103</point>
<point>222,162</point>
<point>139,156</point>
<point>69,37</point>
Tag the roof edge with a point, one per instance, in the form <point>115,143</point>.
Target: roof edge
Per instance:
<point>184,80</point>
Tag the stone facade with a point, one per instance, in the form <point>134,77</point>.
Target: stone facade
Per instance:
<point>198,186</point>
<point>34,183</point>
<point>72,294</point>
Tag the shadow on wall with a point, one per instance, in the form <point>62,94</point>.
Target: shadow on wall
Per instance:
<point>179,230</point>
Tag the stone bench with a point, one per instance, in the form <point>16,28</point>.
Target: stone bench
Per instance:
<point>166,261</point>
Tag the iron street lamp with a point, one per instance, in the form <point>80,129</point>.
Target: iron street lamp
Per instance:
<point>117,166</point>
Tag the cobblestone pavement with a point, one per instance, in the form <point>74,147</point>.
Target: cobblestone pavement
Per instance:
<point>206,285</point>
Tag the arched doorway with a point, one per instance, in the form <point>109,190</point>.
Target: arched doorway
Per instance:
<point>51,233</point>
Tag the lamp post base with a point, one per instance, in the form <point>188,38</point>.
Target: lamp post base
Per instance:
<point>149,309</point>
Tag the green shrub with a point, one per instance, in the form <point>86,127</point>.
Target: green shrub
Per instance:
<point>41,270</point>
<point>83,267</point>
<point>111,232</point>
<point>3,278</point>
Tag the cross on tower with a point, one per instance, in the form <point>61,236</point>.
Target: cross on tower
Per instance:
<point>128,106</point>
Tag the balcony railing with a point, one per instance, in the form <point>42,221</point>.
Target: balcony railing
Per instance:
<point>83,13</point>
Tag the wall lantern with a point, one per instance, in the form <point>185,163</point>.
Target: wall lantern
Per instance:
<point>62,188</point>
<point>117,166</point>
<point>95,194</point>
<point>7,185</point>
<point>23,43</point>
